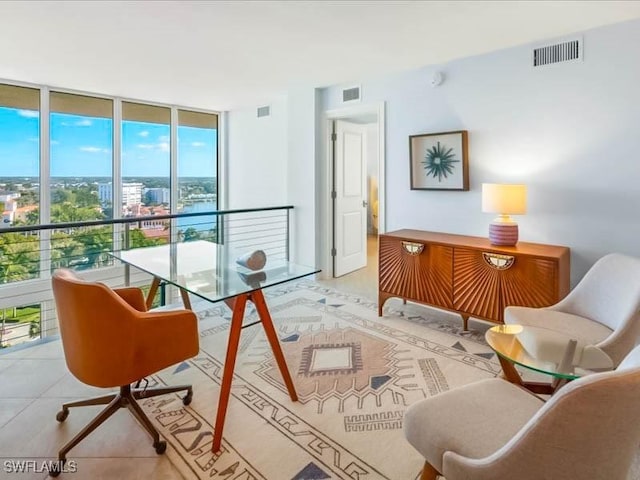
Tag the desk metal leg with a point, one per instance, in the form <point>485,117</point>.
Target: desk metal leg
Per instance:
<point>238,304</point>
<point>185,299</point>
<point>263,312</point>
<point>152,291</point>
<point>229,364</point>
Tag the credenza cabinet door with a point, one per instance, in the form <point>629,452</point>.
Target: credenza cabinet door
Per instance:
<point>484,283</point>
<point>530,282</point>
<point>416,270</point>
<point>476,285</point>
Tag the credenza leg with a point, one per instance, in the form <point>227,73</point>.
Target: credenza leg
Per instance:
<point>382,297</point>
<point>465,322</point>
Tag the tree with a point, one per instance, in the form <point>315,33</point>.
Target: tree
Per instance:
<point>19,257</point>
<point>67,212</point>
<point>190,234</point>
<point>96,243</point>
<point>84,197</point>
<point>137,239</point>
<point>65,249</point>
<point>27,198</point>
<point>61,195</point>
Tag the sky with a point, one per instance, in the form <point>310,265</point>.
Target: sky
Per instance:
<point>81,147</point>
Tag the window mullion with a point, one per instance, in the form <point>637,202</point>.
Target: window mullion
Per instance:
<point>45,183</point>
<point>116,172</point>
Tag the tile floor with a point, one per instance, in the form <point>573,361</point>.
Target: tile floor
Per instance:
<point>34,382</point>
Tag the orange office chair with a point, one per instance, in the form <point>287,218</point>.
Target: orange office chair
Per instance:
<point>110,340</point>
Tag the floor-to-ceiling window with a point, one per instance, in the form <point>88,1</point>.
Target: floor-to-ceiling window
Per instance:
<point>81,164</point>
<point>19,181</point>
<point>197,172</point>
<point>19,205</point>
<point>146,171</point>
<point>81,149</point>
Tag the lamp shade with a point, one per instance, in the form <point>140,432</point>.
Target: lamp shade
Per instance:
<point>504,199</point>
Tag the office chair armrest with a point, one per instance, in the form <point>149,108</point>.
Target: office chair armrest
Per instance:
<point>133,296</point>
<point>165,338</point>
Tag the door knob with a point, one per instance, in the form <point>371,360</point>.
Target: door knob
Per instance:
<point>364,204</point>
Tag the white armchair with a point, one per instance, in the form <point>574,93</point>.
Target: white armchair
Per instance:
<point>602,310</point>
<point>494,430</point>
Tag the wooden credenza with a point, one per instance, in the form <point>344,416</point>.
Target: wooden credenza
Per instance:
<point>468,275</point>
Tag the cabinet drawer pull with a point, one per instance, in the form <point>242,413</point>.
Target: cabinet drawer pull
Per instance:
<point>497,261</point>
<point>413,248</point>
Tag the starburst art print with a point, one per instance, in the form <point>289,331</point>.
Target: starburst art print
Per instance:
<point>439,161</point>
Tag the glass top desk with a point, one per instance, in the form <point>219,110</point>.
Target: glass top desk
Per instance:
<point>545,351</point>
<point>209,271</point>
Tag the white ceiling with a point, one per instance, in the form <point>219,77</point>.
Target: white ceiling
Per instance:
<point>223,55</point>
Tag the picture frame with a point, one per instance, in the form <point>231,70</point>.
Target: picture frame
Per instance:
<point>439,161</point>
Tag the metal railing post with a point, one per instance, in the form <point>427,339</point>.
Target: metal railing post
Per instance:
<point>127,246</point>
<point>288,236</point>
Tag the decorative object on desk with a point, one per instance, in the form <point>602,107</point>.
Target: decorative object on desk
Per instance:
<point>255,260</point>
<point>253,279</point>
<point>504,200</point>
<point>438,161</point>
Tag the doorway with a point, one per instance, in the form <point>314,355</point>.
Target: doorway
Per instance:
<point>356,196</point>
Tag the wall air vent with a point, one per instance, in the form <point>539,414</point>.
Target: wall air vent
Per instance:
<point>566,51</point>
<point>264,111</point>
<point>351,94</point>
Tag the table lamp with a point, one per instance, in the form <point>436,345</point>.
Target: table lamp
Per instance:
<point>504,200</point>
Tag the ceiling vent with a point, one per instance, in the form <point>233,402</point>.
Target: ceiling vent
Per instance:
<point>566,51</point>
<point>351,94</point>
<point>264,111</point>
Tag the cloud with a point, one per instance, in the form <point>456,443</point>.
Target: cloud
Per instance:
<point>29,113</point>
<point>85,122</point>
<point>162,146</point>
<point>163,138</point>
<point>37,139</point>
<point>91,149</point>
<point>144,133</point>
<point>198,144</point>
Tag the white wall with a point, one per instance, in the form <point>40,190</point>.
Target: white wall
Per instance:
<point>301,173</point>
<point>569,131</point>
<point>257,151</point>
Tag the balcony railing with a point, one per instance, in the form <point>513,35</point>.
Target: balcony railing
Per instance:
<point>29,254</point>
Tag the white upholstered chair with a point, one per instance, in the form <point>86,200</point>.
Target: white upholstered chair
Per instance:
<point>494,430</point>
<point>602,310</point>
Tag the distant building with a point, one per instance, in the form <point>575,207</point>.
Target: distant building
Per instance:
<point>8,207</point>
<point>105,193</point>
<point>157,195</point>
<point>131,193</point>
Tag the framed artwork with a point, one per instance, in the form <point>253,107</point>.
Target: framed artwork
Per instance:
<point>439,161</point>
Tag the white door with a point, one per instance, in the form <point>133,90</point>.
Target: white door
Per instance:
<point>350,207</point>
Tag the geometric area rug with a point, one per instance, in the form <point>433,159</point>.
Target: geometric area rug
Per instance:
<point>355,374</point>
